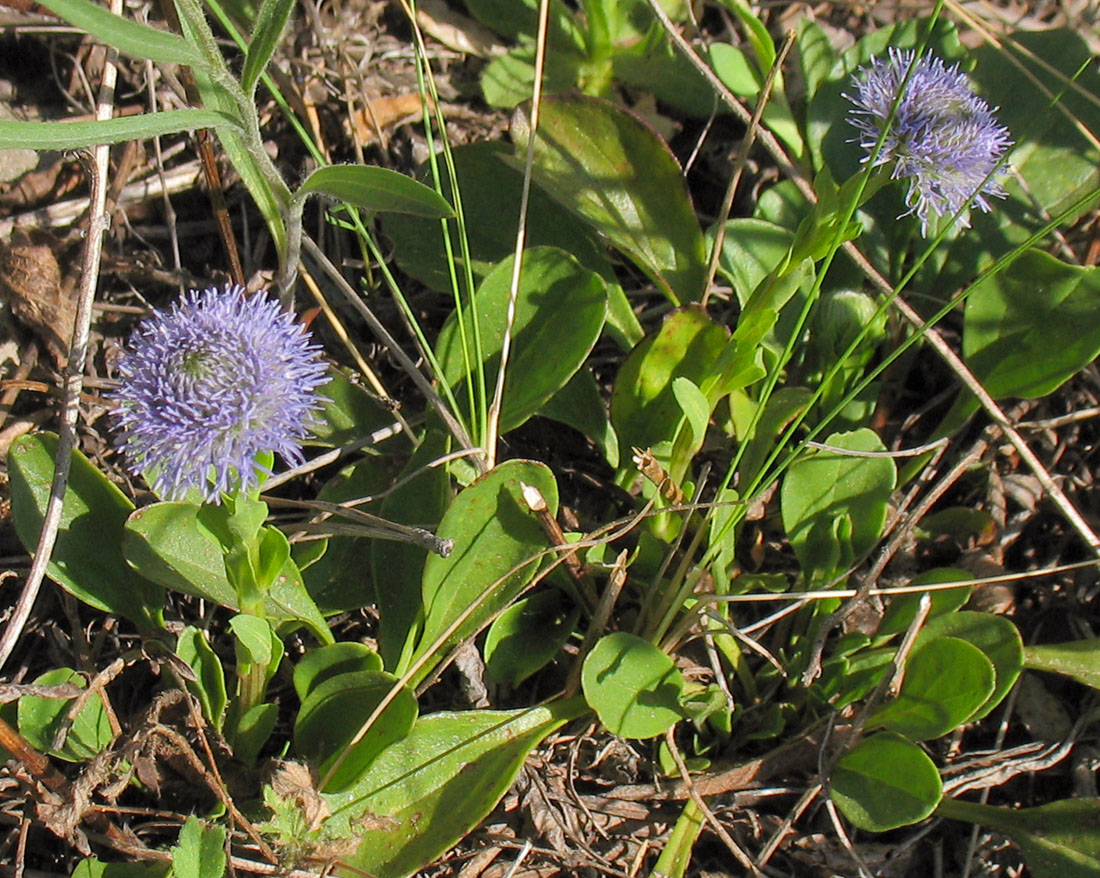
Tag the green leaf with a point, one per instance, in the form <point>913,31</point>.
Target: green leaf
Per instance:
<point>606,165</point>
<point>40,719</point>
<point>903,607</point>
<point>167,543</point>
<point>946,682</point>
<point>334,711</point>
<point>548,347</point>
<point>1058,840</point>
<point>834,505</point>
<point>884,782</point>
<point>815,54</point>
<point>493,533</point>
<point>1054,155</point>
<point>209,684</point>
<point>740,77</point>
<point>270,23</point>
<point>422,794</point>
<point>87,560</point>
<point>579,405</point>
<point>633,687</point>
<point>129,37</point>
<point>423,495</point>
<point>509,79</point>
<point>93,868</point>
<point>676,855</point>
<point>654,66</point>
<point>491,192</point>
<point>734,69</point>
<point>1079,659</point>
<point>763,46</point>
<point>644,409</point>
<point>373,188</point>
<point>527,636</point>
<point>252,732</point>
<point>200,851</point>
<point>995,636</point>
<point>781,408</point>
<point>348,413</point>
<point>319,664</point>
<point>1032,327</point>
<point>256,642</point>
<point>694,405</point>
<point>77,135</point>
<point>517,20</point>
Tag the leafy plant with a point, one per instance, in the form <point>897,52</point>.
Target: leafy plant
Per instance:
<point>736,381</point>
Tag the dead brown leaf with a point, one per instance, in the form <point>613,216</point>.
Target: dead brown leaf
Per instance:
<point>40,297</point>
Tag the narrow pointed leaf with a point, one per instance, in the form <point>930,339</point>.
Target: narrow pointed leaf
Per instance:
<point>76,135</point>
<point>1059,840</point>
<point>270,23</point>
<point>129,37</point>
<point>377,189</point>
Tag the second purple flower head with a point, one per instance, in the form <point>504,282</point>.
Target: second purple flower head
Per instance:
<point>944,139</point>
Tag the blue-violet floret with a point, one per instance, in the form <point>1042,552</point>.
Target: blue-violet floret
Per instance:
<point>944,139</point>
<point>210,383</point>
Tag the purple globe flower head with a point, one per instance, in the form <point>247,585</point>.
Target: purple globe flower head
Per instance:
<point>944,139</point>
<point>210,383</point>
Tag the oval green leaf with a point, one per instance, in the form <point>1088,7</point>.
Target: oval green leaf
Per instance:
<point>497,542</point>
<point>87,560</point>
<point>884,782</point>
<point>1032,327</point>
<point>167,543</point>
<point>633,687</point>
<point>333,713</point>
<point>560,310</point>
<point>41,718</point>
<point>373,188</point>
<point>834,504</point>
<point>609,167</point>
<point>527,635</point>
<point>995,636</point>
<point>947,681</point>
<point>327,661</point>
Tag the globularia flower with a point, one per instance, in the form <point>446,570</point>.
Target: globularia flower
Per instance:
<point>944,139</point>
<point>209,384</point>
